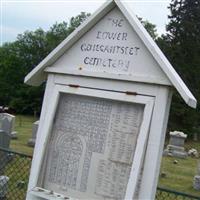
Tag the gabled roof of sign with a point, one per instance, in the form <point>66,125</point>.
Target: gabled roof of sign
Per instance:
<point>37,75</point>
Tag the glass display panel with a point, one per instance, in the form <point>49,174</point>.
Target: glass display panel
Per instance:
<point>91,147</point>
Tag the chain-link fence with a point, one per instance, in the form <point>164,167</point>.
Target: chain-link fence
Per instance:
<point>166,194</point>
<point>14,174</point>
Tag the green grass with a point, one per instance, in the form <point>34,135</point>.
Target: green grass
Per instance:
<point>23,125</point>
<point>179,176</point>
<point>18,169</point>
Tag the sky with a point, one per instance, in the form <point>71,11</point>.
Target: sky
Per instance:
<point>17,16</point>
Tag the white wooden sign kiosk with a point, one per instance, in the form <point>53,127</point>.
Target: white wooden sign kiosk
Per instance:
<point>105,111</point>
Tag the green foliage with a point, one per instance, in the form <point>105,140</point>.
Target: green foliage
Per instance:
<point>151,28</point>
<point>20,57</point>
<point>182,46</point>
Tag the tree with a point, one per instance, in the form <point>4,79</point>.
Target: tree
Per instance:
<point>151,28</point>
<point>182,46</point>
<point>20,57</point>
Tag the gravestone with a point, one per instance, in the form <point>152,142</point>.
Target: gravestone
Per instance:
<point>176,145</point>
<point>196,135</point>
<point>196,180</point>
<point>7,124</point>
<point>105,111</point>
<point>193,153</point>
<point>3,186</point>
<point>31,141</point>
<point>4,143</point>
<point>4,139</point>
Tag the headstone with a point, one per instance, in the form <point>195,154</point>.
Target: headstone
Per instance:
<point>196,180</point>
<point>3,186</point>
<point>7,124</point>
<point>21,184</point>
<point>196,135</point>
<point>193,153</point>
<point>176,145</point>
<point>14,135</point>
<point>1,109</point>
<point>4,143</point>
<point>31,141</point>
<point>4,139</point>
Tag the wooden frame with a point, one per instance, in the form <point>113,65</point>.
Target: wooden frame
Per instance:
<point>155,144</point>
<point>37,75</point>
<point>36,192</point>
<point>151,90</point>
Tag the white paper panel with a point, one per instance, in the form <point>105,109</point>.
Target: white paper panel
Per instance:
<point>91,147</point>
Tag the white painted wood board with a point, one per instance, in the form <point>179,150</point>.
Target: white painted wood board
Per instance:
<point>37,75</point>
<point>107,84</point>
<point>148,101</point>
<point>111,47</point>
<point>155,144</point>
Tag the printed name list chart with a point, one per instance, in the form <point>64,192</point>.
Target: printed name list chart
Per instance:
<point>92,141</point>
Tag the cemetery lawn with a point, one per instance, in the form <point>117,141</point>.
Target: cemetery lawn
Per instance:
<point>179,176</point>
<point>23,126</point>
